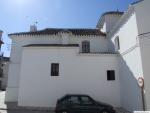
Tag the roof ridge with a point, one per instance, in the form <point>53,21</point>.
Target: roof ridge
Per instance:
<point>71,28</point>
<point>74,31</point>
<point>113,12</point>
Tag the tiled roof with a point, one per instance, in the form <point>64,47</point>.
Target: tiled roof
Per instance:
<point>113,13</point>
<point>53,31</point>
<point>52,45</point>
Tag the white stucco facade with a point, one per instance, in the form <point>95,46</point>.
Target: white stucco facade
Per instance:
<point>97,44</point>
<point>130,66</point>
<point>30,82</point>
<point>142,11</point>
<point>79,74</point>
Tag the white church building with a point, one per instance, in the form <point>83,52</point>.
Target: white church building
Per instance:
<point>104,62</point>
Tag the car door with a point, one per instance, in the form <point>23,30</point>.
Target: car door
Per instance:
<point>74,106</point>
<point>88,105</point>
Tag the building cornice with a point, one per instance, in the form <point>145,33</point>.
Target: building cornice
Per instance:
<point>98,54</point>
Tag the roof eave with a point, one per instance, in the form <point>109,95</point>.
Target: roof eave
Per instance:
<point>134,3</point>
<point>51,45</point>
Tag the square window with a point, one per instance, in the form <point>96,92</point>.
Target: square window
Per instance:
<point>54,69</point>
<point>86,46</point>
<point>110,75</point>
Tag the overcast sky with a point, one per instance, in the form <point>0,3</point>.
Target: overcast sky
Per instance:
<point>18,15</point>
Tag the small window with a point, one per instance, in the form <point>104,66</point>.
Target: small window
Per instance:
<point>54,69</point>
<point>85,46</point>
<point>110,75</point>
<point>117,43</point>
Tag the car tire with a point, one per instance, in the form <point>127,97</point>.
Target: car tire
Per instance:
<point>105,111</point>
<point>64,112</point>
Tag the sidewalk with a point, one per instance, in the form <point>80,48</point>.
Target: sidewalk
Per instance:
<point>2,97</point>
<point>13,108</point>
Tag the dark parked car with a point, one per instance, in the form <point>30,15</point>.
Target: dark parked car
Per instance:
<point>81,104</point>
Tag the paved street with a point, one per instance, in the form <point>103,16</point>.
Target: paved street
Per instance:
<point>13,108</point>
<point>22,111</point>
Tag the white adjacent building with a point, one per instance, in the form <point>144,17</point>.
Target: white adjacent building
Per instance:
<point>104,62</point>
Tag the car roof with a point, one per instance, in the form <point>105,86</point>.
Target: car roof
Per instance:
<point>79,95</point>
<point>76,95</point>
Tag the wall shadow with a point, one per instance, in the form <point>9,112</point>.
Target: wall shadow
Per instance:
<point>130,91</point>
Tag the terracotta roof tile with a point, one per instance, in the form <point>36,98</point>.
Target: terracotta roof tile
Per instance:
<point>52,45</point>
<point>54,31</point>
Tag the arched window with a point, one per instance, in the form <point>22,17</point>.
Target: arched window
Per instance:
<point>85,46</point>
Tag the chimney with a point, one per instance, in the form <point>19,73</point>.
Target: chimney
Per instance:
<point>33,28</point>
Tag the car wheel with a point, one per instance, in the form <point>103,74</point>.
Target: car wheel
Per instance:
<point>64,112</point>
<point>104,111</point>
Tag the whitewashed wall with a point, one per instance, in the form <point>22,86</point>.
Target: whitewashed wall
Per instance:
<point>111,20</point>
<point>143,17</point>
<point>130,66</point>
<point>107,22</point>
<point>15,60</point>
<point>98,44</point>
<point>79,74</point>
<point>103,29</point>
<point>145,52</point>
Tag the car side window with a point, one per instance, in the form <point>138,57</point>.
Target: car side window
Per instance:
<point>86,100</point>
<point>64,101</point>
<point>74,100</point>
